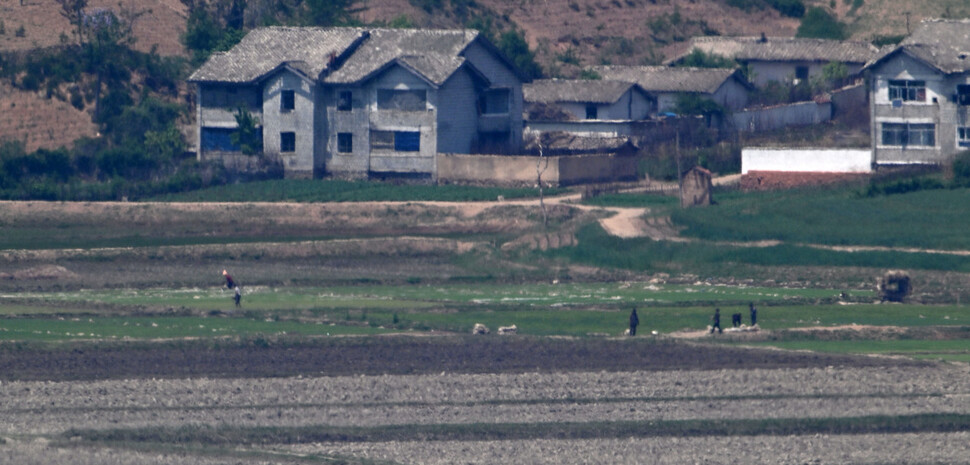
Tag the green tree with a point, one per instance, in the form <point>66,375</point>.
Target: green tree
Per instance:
<point>514,46</point>
<point>693,104</point>
<point>247,137</point>
<point>819,24</point>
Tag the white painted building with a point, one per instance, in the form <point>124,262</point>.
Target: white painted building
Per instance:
<point>920,96</point>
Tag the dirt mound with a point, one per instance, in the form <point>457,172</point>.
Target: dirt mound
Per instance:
<point>775,180</point>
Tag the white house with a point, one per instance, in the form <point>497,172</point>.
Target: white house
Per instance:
<point>787,60</point>
<point>360,101</point>
<point>920,96</point>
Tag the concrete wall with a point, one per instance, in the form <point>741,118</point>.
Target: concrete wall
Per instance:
<point>781,116</point>
<point>508,170</point>
<point>457,119</point>
<point>300,120</point>
<point>849,99</point>
<point>806,160</point>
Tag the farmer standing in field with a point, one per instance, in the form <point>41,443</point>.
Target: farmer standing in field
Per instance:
<point>717,321</point>
<point>232,285</point>
<point>634,322</point>
<point>754,314</point>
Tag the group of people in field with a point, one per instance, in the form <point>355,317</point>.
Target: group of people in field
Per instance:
<point>735,319</point>
<point>715,319</point>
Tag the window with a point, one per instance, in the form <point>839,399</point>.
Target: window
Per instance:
<point>287,142</point>
<point>287,100</point>
<point>345,142</point>
<point>405,100</point>
<point>398,141</point>
<point>801,73</point>
<point>218,139</point>
<point>963,94</point>
<point>907,91</point>
<point>591,111</point>
<point>963,136</point>
<point>494,102</point>
<point>345,100</point>
<point>905,134</point>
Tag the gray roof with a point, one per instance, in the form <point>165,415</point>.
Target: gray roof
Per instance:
<point>568,90</point>
<point>783,49</point>
<point>944,44</point>
<point>670,79</point>
<point>339,55</point>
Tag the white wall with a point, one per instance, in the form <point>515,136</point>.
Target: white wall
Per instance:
<point>806,160</point>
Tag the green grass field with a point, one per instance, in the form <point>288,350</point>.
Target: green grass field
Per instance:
<point>569,309</point>
<point>296,190</point>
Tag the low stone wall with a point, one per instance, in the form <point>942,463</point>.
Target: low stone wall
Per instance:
<point>518,170</point>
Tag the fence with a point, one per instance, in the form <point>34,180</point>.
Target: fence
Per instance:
<point>782,116</point>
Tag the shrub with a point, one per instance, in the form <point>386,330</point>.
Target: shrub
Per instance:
<point>961,168</point>
<point>819,24</point>
<point>697,58</point>
<point>790,8</point>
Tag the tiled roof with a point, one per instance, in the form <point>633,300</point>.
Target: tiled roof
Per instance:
<point>670,79</point>
<point>944,44</point>
<point>567,90</point>
<point>435,54</point>
<point>782,49</point>
<point>339,55</point>
<point>263,50</point>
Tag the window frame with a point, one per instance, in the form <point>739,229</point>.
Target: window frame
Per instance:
<point>395,141</point>
<point>903,134</point>
<point>345,142</point>
<point>287,100</point>
<point>287,142</point>
<point>496,95</point>
<point>907,90</point>
<point>963,94</point>
<point>345,100</point>
<point>963,136</point>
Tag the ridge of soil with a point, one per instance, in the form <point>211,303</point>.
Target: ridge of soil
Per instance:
<point>396,355</point>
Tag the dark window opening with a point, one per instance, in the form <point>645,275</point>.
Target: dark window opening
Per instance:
<point>287,142</point>
<point>287,100</point>
<point>494,102</point>
<point>963,136</point>
<point>801,73</point>
<point>591,112</point>
<point>398,141</point>
<point>404,100</point>
<point>963,94</point>
<point>345,100</point>
<point>345,142</point>
<point>907,91</point>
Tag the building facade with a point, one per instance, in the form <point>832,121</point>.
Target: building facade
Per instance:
<point>920,96</point>
<point>355,102</point>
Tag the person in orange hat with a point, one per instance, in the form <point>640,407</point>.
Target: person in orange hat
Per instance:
<point>231,284</point>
